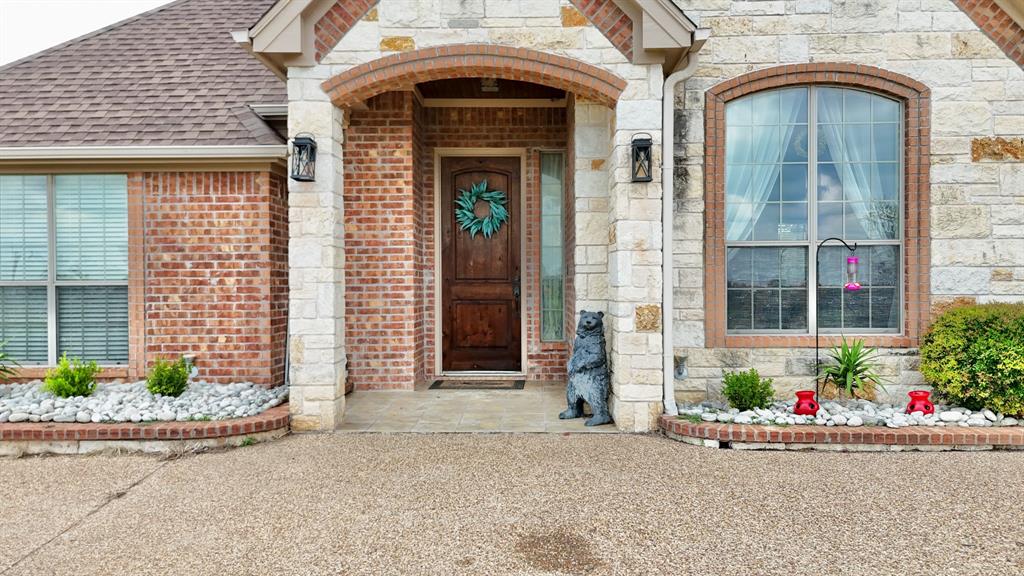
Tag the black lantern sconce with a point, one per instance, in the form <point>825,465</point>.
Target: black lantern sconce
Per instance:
<point>303,158</point>
<point>641,151</point>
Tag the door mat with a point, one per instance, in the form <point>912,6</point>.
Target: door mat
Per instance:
<point>478,385</point>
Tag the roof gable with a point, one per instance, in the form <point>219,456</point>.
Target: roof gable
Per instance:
<point>302,32</point>
<point>170,76</point>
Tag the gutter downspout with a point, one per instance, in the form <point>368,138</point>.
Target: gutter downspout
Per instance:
<point>667,196</point>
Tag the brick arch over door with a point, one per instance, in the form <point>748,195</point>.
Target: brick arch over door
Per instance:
<point>403,71</point>
<point>916,100</point>
<point>615,24</point>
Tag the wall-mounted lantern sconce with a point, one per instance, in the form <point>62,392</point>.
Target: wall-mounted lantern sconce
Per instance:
<point>303,158</point>
<point>641,151</point>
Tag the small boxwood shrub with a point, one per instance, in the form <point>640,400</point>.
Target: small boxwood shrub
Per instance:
<point>747,390</point>
<point>71,378</point>
<point>974,357</point>
<point>168,378</point>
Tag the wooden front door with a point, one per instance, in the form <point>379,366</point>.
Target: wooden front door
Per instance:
<point>480,275</point>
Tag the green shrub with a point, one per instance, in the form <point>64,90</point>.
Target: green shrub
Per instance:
<point>168,378</point>
<point>974,357</point>
<point>8,367</point>
<point>854,369</point>
<point>71,378</point>
<point>747,390</point>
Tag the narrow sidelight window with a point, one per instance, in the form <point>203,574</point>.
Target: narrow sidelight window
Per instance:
<point>552,256</point>
<point>64,267</point>
<point>802,165</point>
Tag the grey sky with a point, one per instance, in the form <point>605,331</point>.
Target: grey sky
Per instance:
<point>28,26</point>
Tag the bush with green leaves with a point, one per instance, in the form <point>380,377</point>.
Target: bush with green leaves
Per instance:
<point>168,378</point>
<point>8,366</point>
<point>747,390</point>
<point>974,357</point>
<point>854,368</point>
<point>71,378</point>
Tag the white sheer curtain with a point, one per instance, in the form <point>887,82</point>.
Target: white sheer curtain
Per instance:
<point>856,172</point>
<point>761,173</point>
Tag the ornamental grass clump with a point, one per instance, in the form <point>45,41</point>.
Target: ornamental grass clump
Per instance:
<point>974,357</point>
<point>854,370</point>
<point>168,378</point>
<point>747,390</point>
<point>8,366</point>
<point>71,378</point>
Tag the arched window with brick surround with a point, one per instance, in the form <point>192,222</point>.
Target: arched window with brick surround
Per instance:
<point>798,154</point>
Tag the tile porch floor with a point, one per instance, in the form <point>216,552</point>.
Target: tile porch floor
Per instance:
<point>535,408</point>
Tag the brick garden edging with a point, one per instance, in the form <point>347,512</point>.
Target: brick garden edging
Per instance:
<point>56,438</point>
<point>845,438</point>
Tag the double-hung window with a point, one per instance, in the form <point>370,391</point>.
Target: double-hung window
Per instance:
<point>64,267</point>
<point>805,164</point>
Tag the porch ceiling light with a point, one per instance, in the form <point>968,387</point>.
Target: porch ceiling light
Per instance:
<point>303,149</point>
<point>641,151</point>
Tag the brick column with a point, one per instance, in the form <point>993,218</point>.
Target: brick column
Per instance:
<point>316,259</point>
<point>634,272</point>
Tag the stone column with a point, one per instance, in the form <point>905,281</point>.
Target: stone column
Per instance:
<point>634,270</point>
<point>592,145</point>
<point>316,260</point>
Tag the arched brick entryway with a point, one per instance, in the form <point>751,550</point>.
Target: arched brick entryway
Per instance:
<point>403,71</point>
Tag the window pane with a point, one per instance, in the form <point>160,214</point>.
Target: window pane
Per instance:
<point>885,142</point>
<point>92,323</point>
<point>766,310</point>
<point>766,267</point>
<point>778,298</point>
<point>794,221</point>
<point>794,183</point>
<point>830,185</point>
<point>23,323</point>
<point>876,305</point>
<point>888,184</point>
<point>739,312</point>
<point>552,256</point>
<point>858,106</point>
<point>885,308</point>
<point>794,310</point>
<point>91,213</point>
<point>793,266</point>
<point>830,220</point>
<point>884,266</point>
<point>739,268</point>
<point>23,235</point>
<point>794,143</point>
<point>766,218</point>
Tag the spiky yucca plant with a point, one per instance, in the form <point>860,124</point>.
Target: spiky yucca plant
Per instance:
<point>854,369</point>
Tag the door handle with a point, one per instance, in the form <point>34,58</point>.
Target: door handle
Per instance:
<point>516,291</point>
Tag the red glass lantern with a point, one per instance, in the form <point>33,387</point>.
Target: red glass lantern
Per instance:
<point>805,403</point>
<point>919,402</point>
<point>851,274</point>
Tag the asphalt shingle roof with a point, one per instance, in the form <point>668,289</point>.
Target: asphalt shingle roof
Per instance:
<point>171,76</point>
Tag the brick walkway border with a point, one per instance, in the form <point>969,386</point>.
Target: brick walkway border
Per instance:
<point>751,437</point>
<point>274,419</point>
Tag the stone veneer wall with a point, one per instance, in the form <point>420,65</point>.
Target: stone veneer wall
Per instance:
<point>976,173</point>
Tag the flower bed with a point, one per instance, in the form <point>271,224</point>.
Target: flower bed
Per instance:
<point>853,413</point>
<point>132,402</point>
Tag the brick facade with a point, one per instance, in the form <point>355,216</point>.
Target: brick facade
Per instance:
<point>389,230</point>
<point>215,282</point>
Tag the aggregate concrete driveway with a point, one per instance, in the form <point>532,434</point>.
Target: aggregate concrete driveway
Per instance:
<point>512,504</point>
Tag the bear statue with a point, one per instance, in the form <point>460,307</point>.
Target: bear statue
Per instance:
<point>588,371</point>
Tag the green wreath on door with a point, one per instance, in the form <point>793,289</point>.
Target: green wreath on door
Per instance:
<point>465,213</point>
